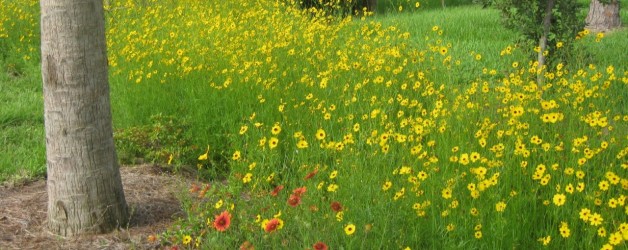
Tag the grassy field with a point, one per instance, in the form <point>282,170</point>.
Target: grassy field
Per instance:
<point>22,154</point>
<point>21,123</point>
<point>420,128</point>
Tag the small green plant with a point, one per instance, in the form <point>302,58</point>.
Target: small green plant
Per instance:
<point>163,141</point>
<point>209,209</point>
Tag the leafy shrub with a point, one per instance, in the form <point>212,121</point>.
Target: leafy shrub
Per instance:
<point>163,141</point>
<point>526,18</point>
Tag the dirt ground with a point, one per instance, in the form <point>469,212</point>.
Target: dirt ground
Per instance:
<point>150,194</point>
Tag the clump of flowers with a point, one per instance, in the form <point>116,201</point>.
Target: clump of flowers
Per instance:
<point>368,123</point>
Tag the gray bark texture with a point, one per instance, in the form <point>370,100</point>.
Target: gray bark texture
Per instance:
<point>603,17</point>
<point>85,194</point>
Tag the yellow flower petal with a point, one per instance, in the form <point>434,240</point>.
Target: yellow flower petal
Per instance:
<point>204,156</point>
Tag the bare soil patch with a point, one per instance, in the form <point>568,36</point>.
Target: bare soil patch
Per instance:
<point>150,194</point>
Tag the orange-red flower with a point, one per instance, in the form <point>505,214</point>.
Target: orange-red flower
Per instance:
<point>194,188</point>
<point>222,221</point>
<point>271,225</point>
<point>311,174</point>
<point>276,190</point>
<point>294,200</point>
<point>152,238</point>
<point>247,246</point>
<point>206,188</point>
<point>299,191</point>
<point>320,246</point>
<point>336,206</point>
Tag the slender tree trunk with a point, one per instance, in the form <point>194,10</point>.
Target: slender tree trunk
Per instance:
<point>603,17</point>
<point>371,5</point>
<point>85,192</point>
<point>547,24</point>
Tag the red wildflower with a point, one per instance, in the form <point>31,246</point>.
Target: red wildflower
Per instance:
<point>299,191</point>
<point>271,225</point>
<point>194,188</point>
<point>152,238</point>
<point>247,246</point>
<point>222,221</point>
<point>336,206</point>
<point>311,174</point>
<point>276,190</point>
<point>201,194</point>
<point>294,200</point>
<point>320,246</point>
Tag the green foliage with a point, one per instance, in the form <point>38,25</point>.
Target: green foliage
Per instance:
<point>484,3</point>
<point>526,18</point>
<point>165,141</point>
<point>203,201</point>
<point>387,6</point>
<point>335,7</point>
<point>607,1</point>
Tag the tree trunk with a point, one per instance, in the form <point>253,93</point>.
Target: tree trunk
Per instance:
<point>371,5</point>
<point>547,24</point>
<point>603,17</point>
<point>85,192</point>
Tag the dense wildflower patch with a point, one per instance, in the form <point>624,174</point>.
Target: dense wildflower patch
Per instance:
<point>344,132</point>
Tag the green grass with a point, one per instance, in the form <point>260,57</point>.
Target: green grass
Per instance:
<point>468,27</point>
<point>22,155</point>
<point>388,6</point>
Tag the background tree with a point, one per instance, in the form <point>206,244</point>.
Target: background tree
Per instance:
<point>543,23</point>
<point>370,5</point>
<point>85,192</point>
<point>603,15</point>
<point>484,3</point>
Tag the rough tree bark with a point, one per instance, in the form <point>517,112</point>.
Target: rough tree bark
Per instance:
<point>85,192</point>
<point>603,17</point>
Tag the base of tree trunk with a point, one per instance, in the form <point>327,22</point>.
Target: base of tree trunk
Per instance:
<point>603,17</point>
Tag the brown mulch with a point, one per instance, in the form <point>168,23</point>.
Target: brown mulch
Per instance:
<point>150,194</point>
